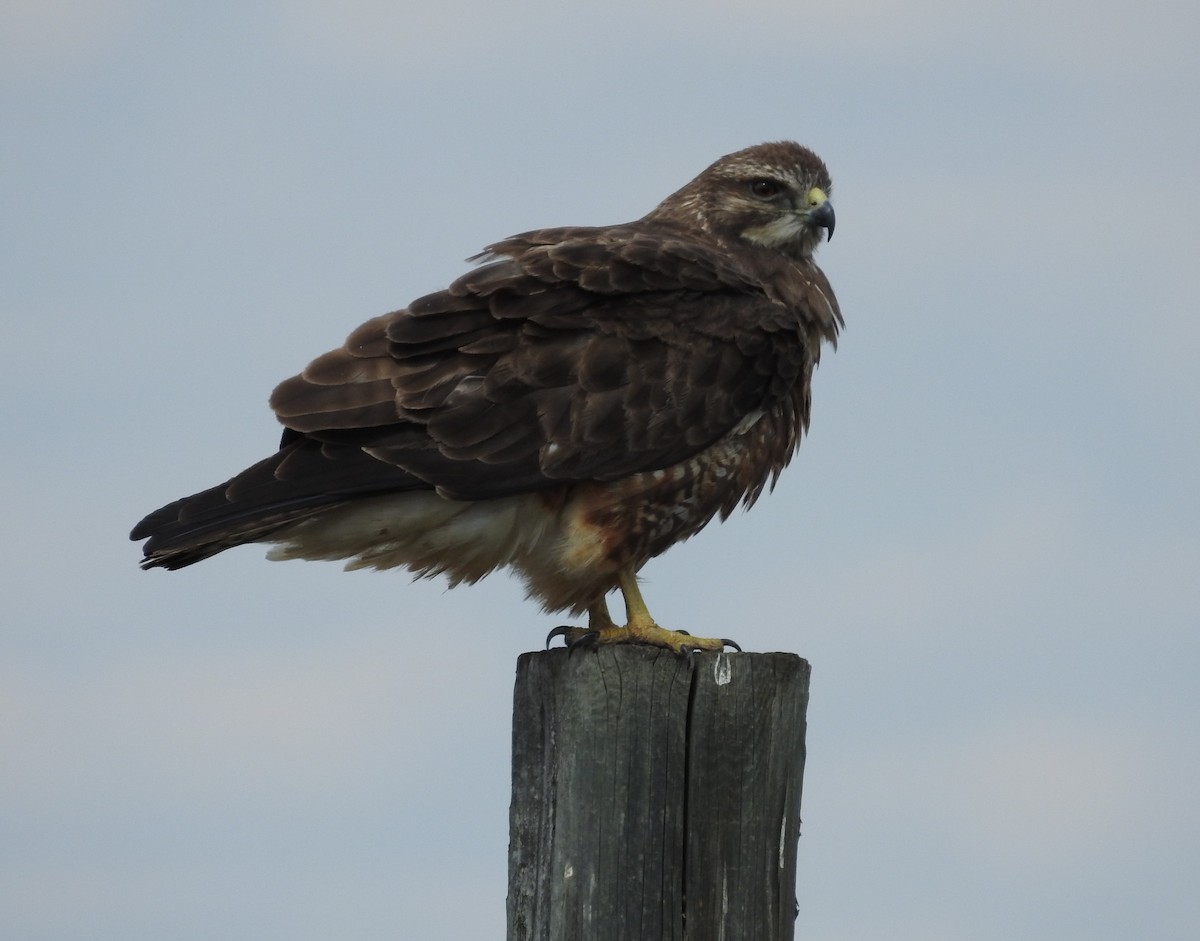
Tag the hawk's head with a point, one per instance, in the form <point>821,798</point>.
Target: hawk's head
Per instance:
<point>774,195</point>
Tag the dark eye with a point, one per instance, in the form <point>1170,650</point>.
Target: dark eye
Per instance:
<point>765,188</point>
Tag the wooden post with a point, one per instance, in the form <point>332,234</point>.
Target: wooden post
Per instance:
<point>655,797</point>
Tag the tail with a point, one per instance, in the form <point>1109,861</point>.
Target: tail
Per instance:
<point>194,528</point>
<point>298,481</point>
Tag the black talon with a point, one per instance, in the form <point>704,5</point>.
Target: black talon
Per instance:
<point>724,640</point>
<point>561,631</point>
<point>582,636</point>
<point>685,649</point>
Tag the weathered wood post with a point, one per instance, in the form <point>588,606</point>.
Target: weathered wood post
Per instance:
<point>655,797</point>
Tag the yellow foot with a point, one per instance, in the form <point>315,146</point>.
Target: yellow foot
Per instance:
<point>639,628</point>
<point>640,632</point>
<point>598,620</point>
<point>651,634</point>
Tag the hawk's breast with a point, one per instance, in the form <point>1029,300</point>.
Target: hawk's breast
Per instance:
<point>640,516</point>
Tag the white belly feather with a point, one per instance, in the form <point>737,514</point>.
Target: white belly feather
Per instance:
<point>423,532</point>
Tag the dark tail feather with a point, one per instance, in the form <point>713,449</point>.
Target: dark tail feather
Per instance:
<point>194,528</point>
<point>300,479</point>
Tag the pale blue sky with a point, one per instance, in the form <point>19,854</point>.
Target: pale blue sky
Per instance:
<point>988,547</point>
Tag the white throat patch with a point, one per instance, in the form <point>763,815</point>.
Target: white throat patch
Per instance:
<point>786,228</point>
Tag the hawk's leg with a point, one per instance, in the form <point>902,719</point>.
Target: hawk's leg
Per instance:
<point>639,628</point>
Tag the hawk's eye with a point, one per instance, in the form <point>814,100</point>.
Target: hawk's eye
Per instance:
<point>765,188</point>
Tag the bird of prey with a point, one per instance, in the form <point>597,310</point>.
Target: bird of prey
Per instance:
<point>577,403</point>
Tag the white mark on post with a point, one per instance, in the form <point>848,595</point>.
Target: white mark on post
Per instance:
<point>568,871</point>
<point>782,838</point>
<point>724,904</point>
<point>722,669</point>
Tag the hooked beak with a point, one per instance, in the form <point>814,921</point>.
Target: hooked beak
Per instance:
<point>820,215</point>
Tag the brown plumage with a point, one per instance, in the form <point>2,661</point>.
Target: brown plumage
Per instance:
<point>572,407</point>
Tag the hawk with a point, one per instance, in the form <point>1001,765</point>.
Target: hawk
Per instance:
<point>577,403</point>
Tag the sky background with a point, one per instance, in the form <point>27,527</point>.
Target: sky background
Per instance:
<point>988,547</point>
